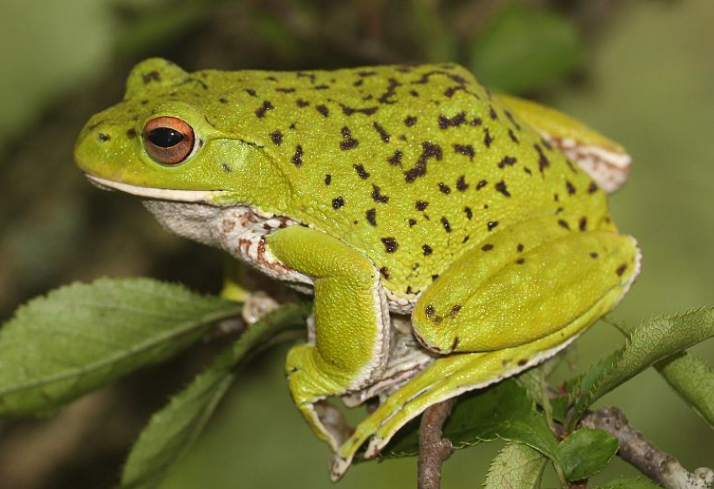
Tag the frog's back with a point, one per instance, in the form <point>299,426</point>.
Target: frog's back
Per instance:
<point>412,164</point>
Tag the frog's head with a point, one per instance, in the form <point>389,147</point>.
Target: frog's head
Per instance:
<point>165,141</point>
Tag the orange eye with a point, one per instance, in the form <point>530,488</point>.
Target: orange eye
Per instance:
<point>168,140</point>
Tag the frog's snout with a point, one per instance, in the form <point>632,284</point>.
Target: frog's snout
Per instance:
<point>98,145</point>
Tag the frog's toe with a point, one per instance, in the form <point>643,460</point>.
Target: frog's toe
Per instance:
<point>338,467</point>
<point>374,447</point>
<point>387,430</point>
<point>342,459</point>
<point>332,423</point>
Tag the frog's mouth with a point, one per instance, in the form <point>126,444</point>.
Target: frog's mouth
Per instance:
<point>203,196</point>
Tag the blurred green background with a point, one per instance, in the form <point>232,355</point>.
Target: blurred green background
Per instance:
<point>641,71</point>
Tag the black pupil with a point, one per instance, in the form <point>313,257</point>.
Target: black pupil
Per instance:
<point>165,137</point>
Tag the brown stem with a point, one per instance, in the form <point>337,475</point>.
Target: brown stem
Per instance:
<point>433,448</point>
<point>659,466</point>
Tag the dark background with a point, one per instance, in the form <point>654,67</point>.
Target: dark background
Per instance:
<point>641,71</point>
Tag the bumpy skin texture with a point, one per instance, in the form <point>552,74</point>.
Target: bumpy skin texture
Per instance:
<point>396,188</point>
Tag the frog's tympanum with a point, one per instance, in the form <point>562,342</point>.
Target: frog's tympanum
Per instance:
<point>385,191</point>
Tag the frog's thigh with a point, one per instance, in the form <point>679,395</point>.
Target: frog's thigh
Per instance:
<point>351,317</point>
<point>524,295</point>
<point>600,157</point>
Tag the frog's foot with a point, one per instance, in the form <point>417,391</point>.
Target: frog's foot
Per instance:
<point>399,402</point>
<point>447,377</point>
<point>310,388</point>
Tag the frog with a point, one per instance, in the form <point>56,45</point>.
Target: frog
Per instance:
<point>451,236</point>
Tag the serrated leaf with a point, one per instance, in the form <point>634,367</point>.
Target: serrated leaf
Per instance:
<point>516,466</point>
<point>83,336</point>
<point>651,342</point>
<point>525,50</point>
<point>502,411</point>
<point>624,483</point>
<point>174,429</point>
<point>689,376</point>
<point>560,406</point>
<point>586,452</point>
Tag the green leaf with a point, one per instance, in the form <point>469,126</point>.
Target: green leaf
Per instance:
<point>624,483</point>
<point>651,342</point>
<point>84,336</point>
<point>174,429</point>
<point>689,376</point>
<point>502,411</point>
<point>694,382</point>
<point>586,452</point>
<point>516,466</point>
<point>525,50</point>
<point>560,406</point>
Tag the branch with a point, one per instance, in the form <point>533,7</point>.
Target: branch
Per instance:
<point>433,448</point>
<point>661,467</point>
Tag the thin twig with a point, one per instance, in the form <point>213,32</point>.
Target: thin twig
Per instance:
<point>433,448</point>
<point>659,466</point>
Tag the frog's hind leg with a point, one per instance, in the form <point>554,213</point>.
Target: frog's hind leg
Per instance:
<point>600,157</point>
<point>506,305</point>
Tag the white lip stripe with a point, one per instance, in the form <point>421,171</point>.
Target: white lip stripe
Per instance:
<point>206,196</point>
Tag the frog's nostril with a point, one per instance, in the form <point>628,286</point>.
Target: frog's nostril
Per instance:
<point>103,137</point>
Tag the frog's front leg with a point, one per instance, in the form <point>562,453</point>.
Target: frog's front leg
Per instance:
<point>351,321</point>
<point>507,304</point>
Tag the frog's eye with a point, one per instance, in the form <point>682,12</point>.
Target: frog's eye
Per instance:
<point>168,140</point>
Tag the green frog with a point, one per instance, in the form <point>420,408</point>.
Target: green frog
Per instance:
<point>451,236</point>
